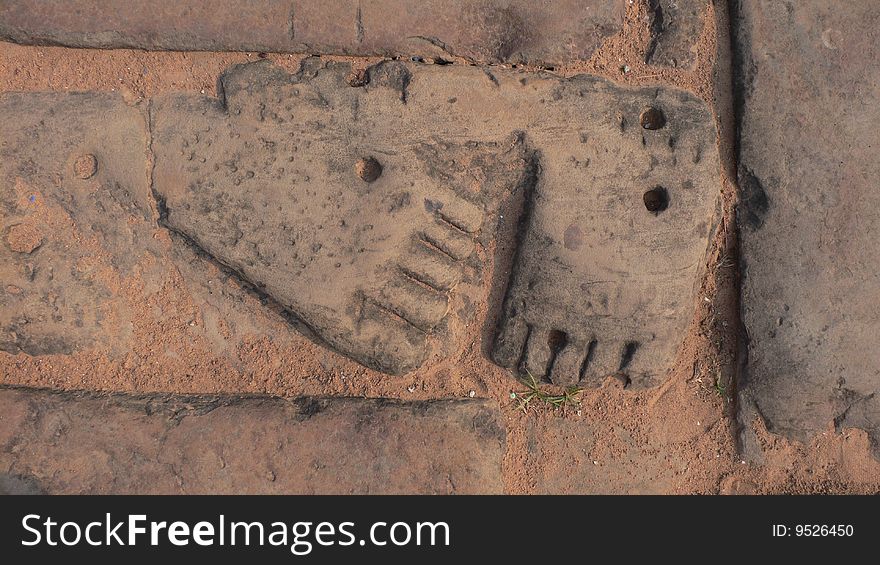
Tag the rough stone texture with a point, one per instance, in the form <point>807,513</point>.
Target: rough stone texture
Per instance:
<point>52,291</point>
<point>68,443</point>
<point>614,243</point>
<point>807,77</point>
<point>514,31</point>
<point>200,25</point>
<point>508,30</point>
<point>265,180</point>
<point>358,209</point>
<point>675,27</point>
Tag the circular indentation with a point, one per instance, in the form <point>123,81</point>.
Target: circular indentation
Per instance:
<point>656,200</point>
<point>368,169</point>
<point>652,118</point>
<point>85,166</point>
<point>556,340</point>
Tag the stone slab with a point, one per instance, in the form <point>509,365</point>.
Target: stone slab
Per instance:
<point>360,210</point>
<point>74,189</point>
<point>269,181</point>
<point>675,27</point>
<point>78,443</point>
<point>515,31</point>
<point>807,76</point>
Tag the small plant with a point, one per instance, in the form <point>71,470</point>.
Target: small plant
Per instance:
<point>534,392</point>
<point>720,387</point>
<point>726,261</point>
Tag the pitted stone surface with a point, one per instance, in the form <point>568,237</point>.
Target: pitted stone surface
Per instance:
<point>807,79</point>
<point>75,185</point>
<point>515,31</point>
<point>74,443</point>
<point>266,181</point>
<point>675,27</point>
<point>358,209</point>
<point>614,244</point>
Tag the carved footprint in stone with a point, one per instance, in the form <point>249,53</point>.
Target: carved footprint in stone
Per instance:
<point>614,243</point>
<point>303,186</point>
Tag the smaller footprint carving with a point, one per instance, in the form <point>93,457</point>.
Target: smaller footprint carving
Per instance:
<point>613,245</point>
<point>75,203</point>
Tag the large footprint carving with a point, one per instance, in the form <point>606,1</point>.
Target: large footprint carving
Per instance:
<point>303,186</point>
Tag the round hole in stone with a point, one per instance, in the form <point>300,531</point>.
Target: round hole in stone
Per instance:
<point>368,169</point>
<point>556,340</point>
<point>656,200</point>
<point>652,118</point>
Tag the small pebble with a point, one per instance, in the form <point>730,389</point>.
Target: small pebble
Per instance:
<point>85,166</point>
